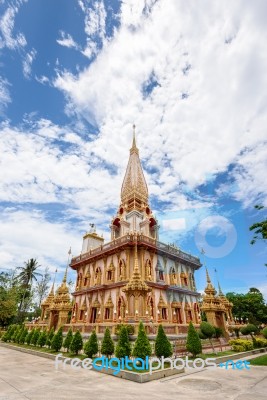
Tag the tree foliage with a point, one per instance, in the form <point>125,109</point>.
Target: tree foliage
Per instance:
<point>142,347</point>
<point>91,346</point>
<point>250,305</point>
<point>123,347</point>
<point>57,340</point>
<point>107,347</point>
<point>193,343</point>
<point>259,228</point>
<point>76,343</point>
<point>42,339</point>
<point>10,292</point>
<point>68,339</point>
<point>163,347</point>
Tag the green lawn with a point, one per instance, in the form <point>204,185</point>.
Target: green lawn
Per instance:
<point>262,360</point>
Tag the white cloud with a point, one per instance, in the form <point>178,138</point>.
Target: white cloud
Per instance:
<point>66,40</point>
<point>27,235</point>
<point>27,63</point>
<point>95,26</point>
<point>174,224</point>
<point>7,23</point>
<point>209,102</point>
<point>4,94</point>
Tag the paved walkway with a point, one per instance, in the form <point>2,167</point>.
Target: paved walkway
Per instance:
<point>24,376</point>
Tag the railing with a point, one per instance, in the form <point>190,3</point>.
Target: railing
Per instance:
<point>140,238</point>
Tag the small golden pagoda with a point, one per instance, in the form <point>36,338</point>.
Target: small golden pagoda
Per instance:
<point>56,307</point>
<point>218,309</point>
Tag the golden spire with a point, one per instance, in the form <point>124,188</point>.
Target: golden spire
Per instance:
<point>134,147</point>
<point>210,290</point>
<point>134,185</point>
<point>67,266</point>
<point>207,276</point>
<point>220,290</point>
<point>53,285</point>
<point>136,282</point>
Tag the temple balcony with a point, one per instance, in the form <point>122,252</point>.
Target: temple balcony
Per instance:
<point>129,240</point>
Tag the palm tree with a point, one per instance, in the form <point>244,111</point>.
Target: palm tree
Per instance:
<point>27,275</point>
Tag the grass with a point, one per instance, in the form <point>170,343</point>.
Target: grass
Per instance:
<point>260,361</point>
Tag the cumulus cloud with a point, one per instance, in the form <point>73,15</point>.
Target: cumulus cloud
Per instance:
<point>27,235</point>
<point>204,101</point>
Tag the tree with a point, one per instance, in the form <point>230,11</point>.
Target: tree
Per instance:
<point>57,340</point>
<point>23,336</point>
<point>209,331</point>
<point>142,347</point>
<point>35,337</point>
<point>28,338</point>
<point>27,275</point>
<point>107,347</point>
<point>68,339</point>
<point>76,343</point>
<point>249,329</point>
<point>249,306</point>
<point>163,347</point>
<point>50,336</point>
<point>42,339</point>
<point>193,343</point>
<point>123,347</point>
<point>9,297</point>
<point>218,332</point>
<point>91,346</point>
<point>42,287</point>
<point>259,228</point>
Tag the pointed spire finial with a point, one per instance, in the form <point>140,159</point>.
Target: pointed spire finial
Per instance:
<point>53,285</point>
<point>66,270</point>
<point>134,139</point>
<point>219,287</point>
<point>207,275</point>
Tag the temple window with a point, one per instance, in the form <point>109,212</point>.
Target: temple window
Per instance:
<point>107,313</point>
<point>161,276</point>
<point>164,313</point>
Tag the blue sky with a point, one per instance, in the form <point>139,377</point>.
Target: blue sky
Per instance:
<point>76,75</point>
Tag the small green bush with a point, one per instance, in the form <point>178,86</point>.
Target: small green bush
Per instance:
<point>23,336</point>
<point>68,339</point>
<point>57,340</point>
<point>123,347</point>
<point>107,347</point>
<point>244,343</point>
<point>142,346</point>
<point>259,342</point>
<point>91,346</point>
<point>163,347</point>
<point>264,332</point>
<point>49,338</point>
<point>35,337</point>
<point>193,343</point>
<point>238,348</point>
<point>248,329</point>
<point>28,338</point>
<point>76,343</point>
<point>42,339</point>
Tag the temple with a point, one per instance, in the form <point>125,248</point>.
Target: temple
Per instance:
<point>134,276</point>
